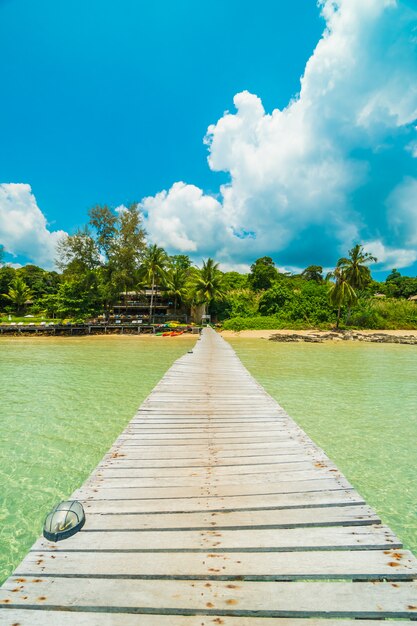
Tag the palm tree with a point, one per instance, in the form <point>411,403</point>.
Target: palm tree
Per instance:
<point>208,283</point>
<point>176,284</point>
<point>153,269</point>
<point>19,293</point>
<point>341,292</point>
<point>355,267</point>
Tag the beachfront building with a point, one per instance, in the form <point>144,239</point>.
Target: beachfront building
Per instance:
<point>135,305</point>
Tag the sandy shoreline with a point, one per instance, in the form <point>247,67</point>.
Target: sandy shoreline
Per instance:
<point>266,334</point>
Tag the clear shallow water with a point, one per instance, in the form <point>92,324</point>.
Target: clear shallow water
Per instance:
<point>63,402</point>
<point>359,403</point>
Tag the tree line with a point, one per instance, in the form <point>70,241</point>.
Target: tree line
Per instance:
<point>110,255</point>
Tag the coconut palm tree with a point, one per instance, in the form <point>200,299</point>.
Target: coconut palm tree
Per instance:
<point>19,293</point>
<point>153,269</point>
<point>176,284</point>
<point>355,266</point>
<point>341,292</point>
<point>207,283</point>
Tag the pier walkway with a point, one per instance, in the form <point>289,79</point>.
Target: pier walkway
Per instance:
<point>214,508</point>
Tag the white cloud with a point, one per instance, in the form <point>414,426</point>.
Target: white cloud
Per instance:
<point>391,258</point>
<point>402,211</point>
<point>242,268</point>
<point>183,219</point>
<point>23,227</point>
<point>308,181</point>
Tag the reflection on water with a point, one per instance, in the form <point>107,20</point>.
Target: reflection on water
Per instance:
<point>359,403</point>
<point>63,402</point>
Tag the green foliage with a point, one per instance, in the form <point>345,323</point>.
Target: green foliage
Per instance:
<point>127,247</point>
<point>294,301</point>
<point>398,286</point>
<point>275,299</point>
<point>77,298</point>
<point>252,323</point>
<point>7,275</point>
<point>233,281</point>
<point>341,292</point>
<point>180,261</point>
<point>236,303</point>
<point>110,256</point>
<point>153,270</point>
<point>77,254</point>
<point>39,281</point>
<point>18,294</point>
<point>355,267</point>
<point>207,283</point>
<point>313,272</point>
<point>104,221</point>
<point>175,282</point>
<point>262,273</point>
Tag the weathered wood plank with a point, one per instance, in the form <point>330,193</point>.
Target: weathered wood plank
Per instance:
<point>354,565</point>
<point>117,470</point>
<point>111,482</point>
<point>301,486</point>
<point>27,617</point>
<point>332,537</point>
<point>276,518</point>
<point>173,505</point>
<point>269,599</point>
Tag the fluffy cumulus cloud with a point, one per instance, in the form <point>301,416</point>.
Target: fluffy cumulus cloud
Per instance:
<point>336,166</point>
<point>184,219</point>
<point>23,227</point>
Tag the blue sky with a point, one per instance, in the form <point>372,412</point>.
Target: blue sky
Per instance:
<point>109,102</point>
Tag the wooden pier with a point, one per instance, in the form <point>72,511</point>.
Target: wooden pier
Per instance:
<point>214,508</point>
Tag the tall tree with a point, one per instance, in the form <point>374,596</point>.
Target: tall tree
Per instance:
<point>355,267</point>
<point>180,261</point>
<point>127,247</point>
<point>77,254</point>
<point>208,283</point>
<point>39,281</point>
<point>262,273</point>
<point>7,275</point>
<point>341,292</point>
<point>313,272</point>
<point>18,294</point>
<point>104,221</point>
<point>153,270</point>
<point>176,283</point>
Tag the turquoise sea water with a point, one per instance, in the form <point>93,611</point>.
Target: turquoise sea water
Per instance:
<point>63,402</point>
<point>359,403</point>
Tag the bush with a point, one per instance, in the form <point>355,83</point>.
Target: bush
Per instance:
<point>306,304</point>
<point>253,323</point>
<point>237,303</point>
<point>394,314</point>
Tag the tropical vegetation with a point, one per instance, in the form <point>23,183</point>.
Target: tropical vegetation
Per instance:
<point>111,256</point>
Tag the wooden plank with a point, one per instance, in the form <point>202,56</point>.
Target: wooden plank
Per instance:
<point>117,459</point>
<point>275,518</point>
<point>353,565</point>
<point>376,537</point>
<point>178,505</point>
<point>106,482</point>
<point>120,493</point>
<point>27,617</point>
<point>266,599</point>
<point>118,470</point>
